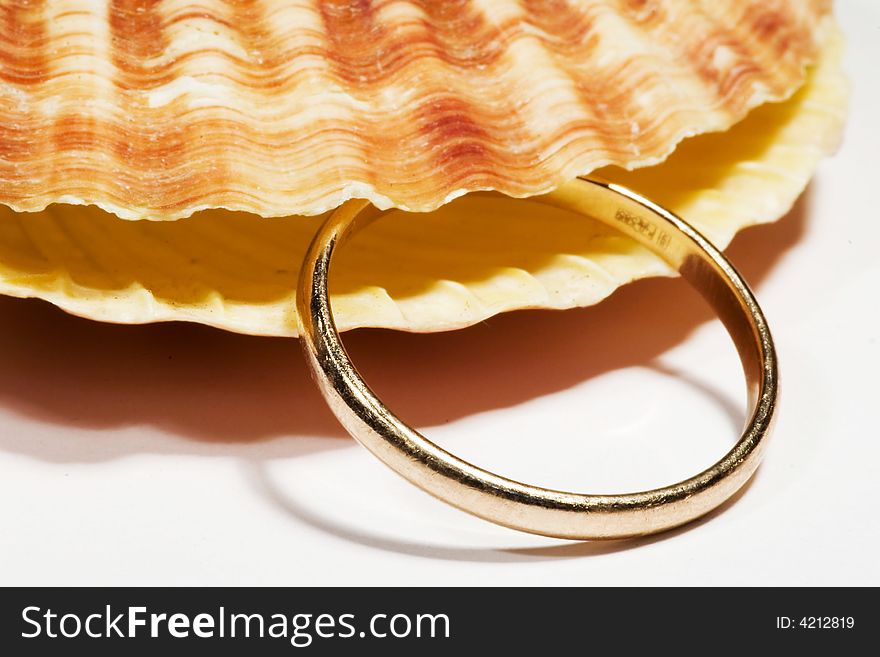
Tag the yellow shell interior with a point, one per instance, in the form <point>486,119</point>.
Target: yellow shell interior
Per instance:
<point>477,256</point>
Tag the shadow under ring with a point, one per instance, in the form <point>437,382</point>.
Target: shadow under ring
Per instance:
<point>531,508</point>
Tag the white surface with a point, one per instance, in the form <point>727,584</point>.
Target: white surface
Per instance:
<point>182,455</point>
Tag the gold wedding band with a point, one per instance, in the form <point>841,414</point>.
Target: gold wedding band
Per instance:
<point>530,508</point>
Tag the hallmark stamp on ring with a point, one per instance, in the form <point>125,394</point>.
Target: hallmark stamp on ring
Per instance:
<point>644,227</point>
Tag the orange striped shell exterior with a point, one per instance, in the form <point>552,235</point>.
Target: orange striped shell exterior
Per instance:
<point>158,108</point>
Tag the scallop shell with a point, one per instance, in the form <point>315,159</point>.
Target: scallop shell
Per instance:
<point>479,255</point>
<point>159,108</point>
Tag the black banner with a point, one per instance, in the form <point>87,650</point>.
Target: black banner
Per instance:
<point>430,621</point>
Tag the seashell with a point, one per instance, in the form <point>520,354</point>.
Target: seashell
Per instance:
<point>479,255</point>
<point>160,108</point>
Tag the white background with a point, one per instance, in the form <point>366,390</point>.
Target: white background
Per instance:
<point>177,454</point>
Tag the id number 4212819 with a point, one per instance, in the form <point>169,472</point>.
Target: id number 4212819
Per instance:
<point>815,622</point>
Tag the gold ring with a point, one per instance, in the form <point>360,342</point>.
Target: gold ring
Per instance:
<point>530,508</point>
